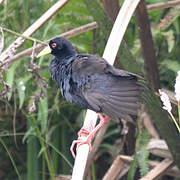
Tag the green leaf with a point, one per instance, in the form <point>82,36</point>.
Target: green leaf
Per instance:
<point>29,132</point>
<point>11,158</point>
<point>21,92</point>
<point>171,17</point>
<point>41,151</point>
<point>111,133</point>
<point>169,35</point>
<point>179,111</point>
<point>10,77</point>
<point>132,169</point>
<point>80,117</point>
<point>21,89</point>
<point>33,163</point>
<point>171,65</point>
<point>51,130</point>
<point>61,154</point>
<point>108,147</point>
<point>143,161</point>
<point>43,113</point>
<point>143,153</point>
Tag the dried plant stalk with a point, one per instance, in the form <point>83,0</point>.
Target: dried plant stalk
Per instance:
<point>9,52</point>
<point>158,170</point>
<point>163,5</point>
<point>122,163</point>
<point>110,53</point>
<point>68,34</point>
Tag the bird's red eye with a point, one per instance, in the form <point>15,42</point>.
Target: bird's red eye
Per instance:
<point>53,45</point>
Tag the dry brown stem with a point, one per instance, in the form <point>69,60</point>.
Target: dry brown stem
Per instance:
<point>158,170</point>
<point>116,167</point>
<point>148,123</point>
<point>174,171</point>
<point>158,147</point>
<point>163,5</point>
<point>10,51</point>
<point>38,47</point>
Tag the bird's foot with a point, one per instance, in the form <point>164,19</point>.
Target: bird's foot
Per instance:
<point>82,139</point>
<point>85,136</point>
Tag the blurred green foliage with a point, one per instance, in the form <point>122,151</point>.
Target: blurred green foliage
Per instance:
<point>52,124</point>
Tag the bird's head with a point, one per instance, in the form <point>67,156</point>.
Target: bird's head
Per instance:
<point>59,47</point>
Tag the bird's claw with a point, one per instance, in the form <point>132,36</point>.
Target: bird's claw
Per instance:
<point>85,136</point>
<point>83,131</point>
<point>81,140</point>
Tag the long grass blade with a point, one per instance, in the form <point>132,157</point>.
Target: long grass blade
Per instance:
<point>11,158</point>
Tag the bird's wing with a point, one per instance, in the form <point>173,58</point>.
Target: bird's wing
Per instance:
<point>90,64</point>
<point>105,88</point>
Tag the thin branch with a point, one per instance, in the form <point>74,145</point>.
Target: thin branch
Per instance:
<point>158,147</point>
<point>67,34</point>
<point>174,171</point>
<point>110,52</point>
<point>21,35</point>
<point>158,170</point>
<point>148,123</point>
<point>168,19</point>
<point>10,51</point>
<point>163,5</point>
<point>114,170</point>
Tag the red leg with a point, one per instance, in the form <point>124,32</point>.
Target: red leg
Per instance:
<point>103,120</point>
<point>90,136</point>
<point>83,131</point>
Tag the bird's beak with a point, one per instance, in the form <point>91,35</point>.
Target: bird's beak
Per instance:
<point>46,50</point>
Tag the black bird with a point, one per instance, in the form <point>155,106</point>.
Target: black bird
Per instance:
<point>91,83</point>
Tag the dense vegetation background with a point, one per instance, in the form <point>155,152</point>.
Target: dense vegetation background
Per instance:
<point>37,126</point>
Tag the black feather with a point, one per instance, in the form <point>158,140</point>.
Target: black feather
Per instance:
<point>92,83</point>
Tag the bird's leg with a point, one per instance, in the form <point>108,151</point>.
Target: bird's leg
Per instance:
<point>103,120</point>
<point>90,134</point>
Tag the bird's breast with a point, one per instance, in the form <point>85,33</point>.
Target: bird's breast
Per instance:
<point>61,73</point>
